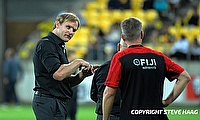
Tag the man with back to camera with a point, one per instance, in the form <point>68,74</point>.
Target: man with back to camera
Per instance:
<point>140,72</point>
<point>98,87</point>
<point>53,72</point>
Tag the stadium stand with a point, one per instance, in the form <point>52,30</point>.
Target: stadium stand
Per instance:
<point>97,14</point>
<point>161,33</point>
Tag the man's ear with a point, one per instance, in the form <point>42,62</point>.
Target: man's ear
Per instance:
<point>118,46</point>
<point>122,36</point>
<point>142,34</point>
<point>57,24</point>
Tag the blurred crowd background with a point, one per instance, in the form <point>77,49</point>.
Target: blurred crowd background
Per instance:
<point>170,26</point>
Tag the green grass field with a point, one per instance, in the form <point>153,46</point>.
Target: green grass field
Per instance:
<point>86,112</point>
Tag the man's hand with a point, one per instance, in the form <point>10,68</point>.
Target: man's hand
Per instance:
<point>88,71</point>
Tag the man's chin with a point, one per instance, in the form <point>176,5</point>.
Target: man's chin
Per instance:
<point>66,40</point>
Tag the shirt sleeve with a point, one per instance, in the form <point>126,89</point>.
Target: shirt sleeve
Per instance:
<point>94,90</point>
<point>98,81</point>
<point>49,56</point>
<point>114,74</point>
<point>172,69</point>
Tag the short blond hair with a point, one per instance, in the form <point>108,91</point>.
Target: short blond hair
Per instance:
<point>64,17</point>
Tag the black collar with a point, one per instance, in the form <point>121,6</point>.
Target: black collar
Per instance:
<point>139,45</point>
<point>56,39</point>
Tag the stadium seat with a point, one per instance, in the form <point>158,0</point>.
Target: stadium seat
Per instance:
<point>151,15</point>
<point>116,15</point>
<point>91,6</point>
<point>105,25</point>
<point>91,17</point>
<point>104,14</point>
<point>84,30</point>
<point>184,31</point>
<point>102,1</point>
<point>140,14</point>
<point>136,4</point>
<point>127,13</point>
<point>81,51</point>
<point>174,32</point>
<point>194,33</point>
<point>103,4</point>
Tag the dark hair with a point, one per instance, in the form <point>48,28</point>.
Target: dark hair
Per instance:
<point>131,28</point>
<point>9,53</point>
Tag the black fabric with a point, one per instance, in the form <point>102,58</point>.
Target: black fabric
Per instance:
<point>49,108</point>
<point>98,87</point>
<point>112,117</point>
<point>47,58</point>
<point>72,107</point>
<point>148,85</point>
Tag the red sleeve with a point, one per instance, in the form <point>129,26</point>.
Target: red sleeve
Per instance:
<point>172,69</point>
<point>114,74</point>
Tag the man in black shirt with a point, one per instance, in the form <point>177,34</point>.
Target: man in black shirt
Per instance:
<point>97,88</point>
<point>53,71</point>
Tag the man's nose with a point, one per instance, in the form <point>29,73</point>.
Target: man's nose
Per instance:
<point>71,30</point>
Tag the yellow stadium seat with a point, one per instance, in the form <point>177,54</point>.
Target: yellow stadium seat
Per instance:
<point>84,31</point>
<point>93,22</point>
<point>127,13</point>
<point>104,14</point>
<point>90,6</point>
<point>24,54</point>
<point>82,41</point>
<point>105,25</point>
<point>81,51</point>
<point>139,14</point>
<point>91,17</point>
<point>102,1</point>
<point>116,16</point>
<point>102,6</point>
<point>71,43</point>
<point>136,4</point>
<point>184,31</point>
<point>151,15</point>
<point>194,33</point>
<point>174,31</point>
<point>90,14</point>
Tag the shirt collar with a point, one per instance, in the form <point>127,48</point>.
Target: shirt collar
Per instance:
<point>139,45</point>
<point>56,39</point>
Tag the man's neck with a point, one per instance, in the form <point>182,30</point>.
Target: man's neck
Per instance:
<point>131,43</point>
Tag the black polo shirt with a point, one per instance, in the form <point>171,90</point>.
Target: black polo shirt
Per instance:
<point>140,72</point>
<point>48,56</point>
<point>98,87</point>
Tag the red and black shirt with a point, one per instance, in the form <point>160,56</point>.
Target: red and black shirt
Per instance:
<point>140,73</point>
